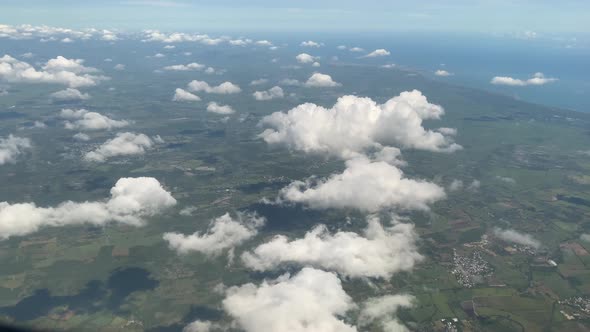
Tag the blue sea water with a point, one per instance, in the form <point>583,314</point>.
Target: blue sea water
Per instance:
<point>475,59</point>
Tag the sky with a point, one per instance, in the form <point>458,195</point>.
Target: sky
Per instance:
<point>465,16</point>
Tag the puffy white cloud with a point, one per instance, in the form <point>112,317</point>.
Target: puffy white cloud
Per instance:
<point>119,66</point>
<point>310,43</point>
<point>474,185</point>
<point>537,79</point>
<point>511,235</point>
<point>81,137</point>
<point>259,81</point>
<point>355,125</point>
<point>219,109</point>
<point>70,72</point>
<point>11,147</point>
<point>310,301</point>
<point>356,49</point>
<point>272,93</point>
<point>85,120</point>
<point>318,80</point>
<point>109,36</point>
<point>169,47</point>
<point>198,326</point>
<point>305,58</point>
<point>64,64</point>
<point>379,252</point>
<point>223,88</point>
<point>388,66</point>
<point>70,94</point>
<point>124,144</point>
<point>240,42</point>
<point>364,185</point>
<point>47,33</point>
<point>456,185</point>
<point>183,95</point>
<point>39,124</point>
<point>442,72</point>
<point>264,43</point>
<point>177,37</point>
<point>187,67</point>
<point>315,64</point>
<point>378,52</point>
<point>188,211</point>
<point>132,199</point>
<point>341,47</point>
<point>67,40</point>
<point>224,233</point>
<point>382,310</point>
<point>447,131</point>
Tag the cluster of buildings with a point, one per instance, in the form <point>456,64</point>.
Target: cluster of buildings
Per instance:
<point>470,270</point>
<point>580,303</point>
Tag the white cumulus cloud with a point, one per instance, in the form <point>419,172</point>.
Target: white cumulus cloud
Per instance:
<point>214,107</point>
<point>223,88</point>
<point>11,147</point>
<point>190,66</point>
<point>310,43</point>
<point>132,199</point>
<point>511,235</point>
<point>272,93</point>
<point>85,120</point>
<point>442,72</point>
<point>310,301</point>
<point>379,252</point>
<point>124,144</point>
<point>318,80</point>
<point>60,70</point>
<point>69,94</point>
<point>305,58</point>
<point>537,79</point>
<point>377,53</point>
<point>355,125</point>
<point>365,185</point>
<point>224,233</point>
<point>382,310</point>
<point>183,95</point>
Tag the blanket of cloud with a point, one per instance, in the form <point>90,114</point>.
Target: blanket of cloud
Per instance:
<point>132,200</point>
<point>355,125</point>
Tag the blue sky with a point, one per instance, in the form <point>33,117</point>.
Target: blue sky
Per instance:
<point>479,16</point>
